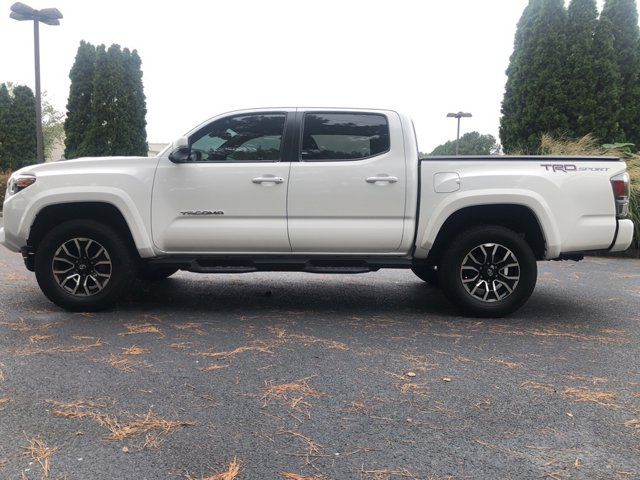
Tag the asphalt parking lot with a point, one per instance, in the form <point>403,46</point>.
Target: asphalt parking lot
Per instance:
<point>296,376</point>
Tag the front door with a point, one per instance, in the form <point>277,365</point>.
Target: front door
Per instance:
<point>232,196</point>
<point>347,189</point>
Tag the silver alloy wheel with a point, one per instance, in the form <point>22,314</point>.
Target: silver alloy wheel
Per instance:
<point>81,266</point>
<point>490,272</point>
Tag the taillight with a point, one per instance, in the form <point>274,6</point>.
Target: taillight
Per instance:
<point>621,185</point>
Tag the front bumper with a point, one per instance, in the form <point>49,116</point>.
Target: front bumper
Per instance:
<point>6,241</point>
<point>625,236</point>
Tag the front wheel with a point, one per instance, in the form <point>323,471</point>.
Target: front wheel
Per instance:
<point>489,271</point>
<point>84,266</point>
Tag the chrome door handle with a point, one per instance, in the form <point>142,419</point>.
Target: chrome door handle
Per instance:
<point>381,178</point>
<point>268,180</point>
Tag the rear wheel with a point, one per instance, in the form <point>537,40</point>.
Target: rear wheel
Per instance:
<point>84,265</point>
<point>489,271</point>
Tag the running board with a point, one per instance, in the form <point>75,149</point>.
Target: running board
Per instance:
<point>315,264</point>
<point>327,270</point>
<point>221,269</point>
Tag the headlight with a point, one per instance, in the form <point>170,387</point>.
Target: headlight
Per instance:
<point>19,182</point>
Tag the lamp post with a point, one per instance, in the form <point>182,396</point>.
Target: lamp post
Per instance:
<point>50,16</point>
<point>458,115</point>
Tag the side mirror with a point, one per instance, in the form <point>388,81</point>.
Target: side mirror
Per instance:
<point>180,155</point>
<point>181,152</point>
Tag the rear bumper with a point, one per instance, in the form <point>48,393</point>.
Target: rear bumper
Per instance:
<point>625,236</point>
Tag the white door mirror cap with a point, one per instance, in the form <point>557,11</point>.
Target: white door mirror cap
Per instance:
<point>180,142</point>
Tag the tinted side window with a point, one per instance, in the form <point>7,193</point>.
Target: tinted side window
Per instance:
<point>344,136</point>
<point>241,138</point>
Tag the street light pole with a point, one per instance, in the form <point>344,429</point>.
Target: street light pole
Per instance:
<point>36,55</point>
<point>458,116</point>
<point>50,16</point>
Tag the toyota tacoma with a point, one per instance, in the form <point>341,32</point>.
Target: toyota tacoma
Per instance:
<point>313,190</point>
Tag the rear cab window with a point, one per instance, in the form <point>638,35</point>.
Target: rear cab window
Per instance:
<point>343,136</point>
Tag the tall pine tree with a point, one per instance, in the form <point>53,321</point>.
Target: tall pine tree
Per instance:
<point>79,102</point>
<point>137,105</point>
<point>115,109</point>
<point>607,85</point>
<point>623,16</point>
<point>21,130</point>
<point>535,100</point>
<point>581,68</point>
<point>100,136</point>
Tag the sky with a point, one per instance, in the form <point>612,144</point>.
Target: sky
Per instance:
<point>203,58</point>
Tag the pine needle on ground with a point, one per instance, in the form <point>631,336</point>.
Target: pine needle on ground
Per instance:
<point>39,452</point>
<point>261,347</point>
<point>581,394</point>
<point>150,423</point>
<point>231,473</point>
<point>140,328</point>
<point>134,350</point>
<point>295,476</point>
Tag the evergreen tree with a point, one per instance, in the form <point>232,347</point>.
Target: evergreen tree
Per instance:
<point>581,68</point>
<point>135,135</point>
<point>101,131</point>
<point>118,107</point>
<point>607,85</point>
<point>79,102</point>
<point>21,129</point>
<point>535,100</point>
<point>623,16</point>
<point>5,108</point>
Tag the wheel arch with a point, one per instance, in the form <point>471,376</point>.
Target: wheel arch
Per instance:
<point>104,212</point>
<point>518,218</point>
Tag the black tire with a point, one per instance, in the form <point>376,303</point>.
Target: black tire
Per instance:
<point>500,273</point>
<point>122,268</point>
<point>427,274</point>
<point>155,273</point>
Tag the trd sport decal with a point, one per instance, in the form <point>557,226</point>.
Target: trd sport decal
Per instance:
<point>569,167</point>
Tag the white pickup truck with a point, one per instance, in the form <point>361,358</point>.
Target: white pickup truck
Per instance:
<point>313,190</point>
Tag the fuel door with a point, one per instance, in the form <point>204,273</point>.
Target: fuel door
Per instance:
<point>446,182</point>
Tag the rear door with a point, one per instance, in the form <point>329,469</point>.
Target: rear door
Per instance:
<point>347,187</point>
<point>232,196</point>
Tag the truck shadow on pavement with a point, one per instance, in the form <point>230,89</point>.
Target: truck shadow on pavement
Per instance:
<point>404,299</point>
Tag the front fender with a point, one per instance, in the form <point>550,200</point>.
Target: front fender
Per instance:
<point>111,195</point>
